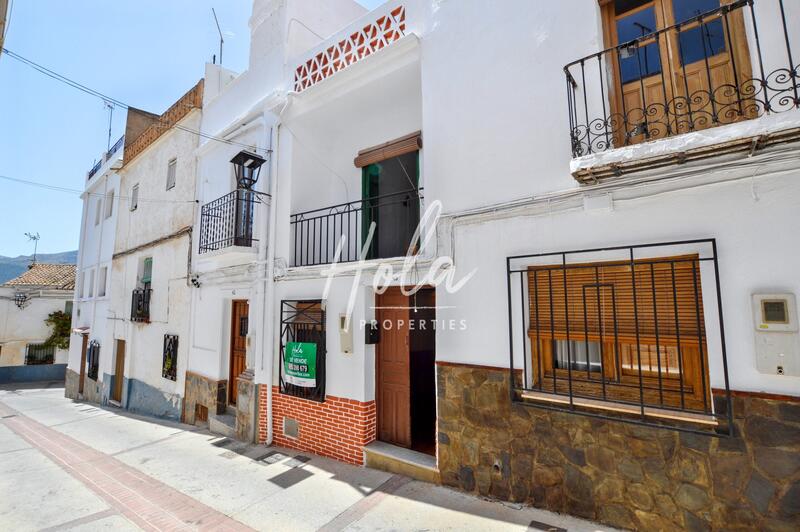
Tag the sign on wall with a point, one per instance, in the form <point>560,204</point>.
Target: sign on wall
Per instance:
<point>300,364</point>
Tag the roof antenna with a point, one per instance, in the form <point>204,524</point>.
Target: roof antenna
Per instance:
<point>35,238</point>
<point>221,40</point>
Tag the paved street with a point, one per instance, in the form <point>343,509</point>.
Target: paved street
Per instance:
<point>74,466</point>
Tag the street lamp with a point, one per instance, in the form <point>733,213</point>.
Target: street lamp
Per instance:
<point>247,165</point>
<point>20,299</point>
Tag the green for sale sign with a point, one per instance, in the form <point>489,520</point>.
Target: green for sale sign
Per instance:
<point>300,364</point>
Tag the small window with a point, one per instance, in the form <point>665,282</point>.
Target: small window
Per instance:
<point>147,271</point>
<point>93,359</point>
<point>109,203</point>
<point>91,283</point>
<point>39,354</point>
<point>68,308</point>
<point>169,363</point>
<point>134,197</point>
<point>101,282</point>
<point>98,210</point>
<point>775,311</point>
<point>171,167</point>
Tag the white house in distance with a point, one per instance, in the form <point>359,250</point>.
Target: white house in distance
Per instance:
<point>25,303</point>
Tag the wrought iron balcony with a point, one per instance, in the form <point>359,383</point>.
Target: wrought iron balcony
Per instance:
<point>317,233</point>
<point>140,304</point>
<point>686,77</point>
<point>106,156</point>
<point>228,221</point>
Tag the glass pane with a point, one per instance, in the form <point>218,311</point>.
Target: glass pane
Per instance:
<point>578,357</point>
<point>710,35</point>
<point>638,61</point>
<point>686,9</point>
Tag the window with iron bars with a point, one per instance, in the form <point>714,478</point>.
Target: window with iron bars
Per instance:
<point>169,364</point>
<point>620,331</point>
<point>39,354</point>
<point>93,359</point>
<point>304,322</point>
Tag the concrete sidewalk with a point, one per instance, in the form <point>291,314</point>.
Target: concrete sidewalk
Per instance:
<point>74,466</point>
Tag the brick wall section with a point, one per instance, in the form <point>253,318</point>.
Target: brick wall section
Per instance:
<point>339,428</point>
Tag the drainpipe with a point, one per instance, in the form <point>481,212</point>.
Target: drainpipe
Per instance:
<point>269,279</point>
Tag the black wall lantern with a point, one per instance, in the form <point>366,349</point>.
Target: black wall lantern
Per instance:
<point>247,166</point>
<point>20,299</point>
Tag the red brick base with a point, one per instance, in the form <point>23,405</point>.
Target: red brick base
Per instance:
<point>338,428</point>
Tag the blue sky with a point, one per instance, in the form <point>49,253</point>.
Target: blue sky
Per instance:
<point>143,52</point>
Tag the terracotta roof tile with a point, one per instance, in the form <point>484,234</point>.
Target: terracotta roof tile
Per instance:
<point>59,276</point>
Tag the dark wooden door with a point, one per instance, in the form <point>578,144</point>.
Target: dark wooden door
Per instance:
<point>238,363</point>
<point>393,370</point>
<point>84,345</point>
<point>119,371</point>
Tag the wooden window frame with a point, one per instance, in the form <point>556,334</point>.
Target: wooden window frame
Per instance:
<point>693,350</point>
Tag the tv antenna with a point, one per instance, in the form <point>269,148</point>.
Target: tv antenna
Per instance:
<point>110,106</point>
<point>221,40</point>
<point>35,238</point>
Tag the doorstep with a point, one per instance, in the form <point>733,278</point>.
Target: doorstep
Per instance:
<point>394,459</point>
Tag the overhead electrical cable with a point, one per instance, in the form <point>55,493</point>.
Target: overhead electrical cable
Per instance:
<point>67,190</point>
<point>119,103</point>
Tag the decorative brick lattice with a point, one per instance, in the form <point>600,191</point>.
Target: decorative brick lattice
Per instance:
<point>354,48</point>
<point>339,428</point>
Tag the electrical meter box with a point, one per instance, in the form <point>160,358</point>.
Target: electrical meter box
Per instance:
<point>777,338</point>
<point>345,334</point>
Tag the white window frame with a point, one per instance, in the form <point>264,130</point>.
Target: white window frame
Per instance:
<point>102,281</point>
<point>172,171</point>
<point>134,200</point>
<point>91,283</point>
<point>109,204</point>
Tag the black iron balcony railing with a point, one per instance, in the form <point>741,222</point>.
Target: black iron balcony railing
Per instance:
<point>140,304</point>
<point>106,156</point>
<point>228,221</point>
<point>699,73</point>
<point>629,332</point>
<point>317,233</point>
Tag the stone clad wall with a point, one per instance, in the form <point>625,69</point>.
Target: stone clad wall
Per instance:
<point>618,473</point>
<point>200,390</point>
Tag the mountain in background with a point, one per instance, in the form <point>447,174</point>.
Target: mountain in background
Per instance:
<point>11,267</point>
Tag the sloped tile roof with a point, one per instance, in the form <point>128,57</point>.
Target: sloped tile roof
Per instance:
<point>58,276</point>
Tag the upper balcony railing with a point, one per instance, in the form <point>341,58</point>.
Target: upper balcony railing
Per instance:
<point>228,221</point>
<point>699,73</point>
<point>106,157</point>
<point>316,234</point>
<point>364,37</point>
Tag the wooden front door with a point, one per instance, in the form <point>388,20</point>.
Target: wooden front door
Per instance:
<point>393,373</point>
<point>238,361</point>
<point>84,346</point>
<point>119,371</point>
<point>675,81</point>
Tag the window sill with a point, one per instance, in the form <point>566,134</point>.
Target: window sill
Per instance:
<point>620,408</point>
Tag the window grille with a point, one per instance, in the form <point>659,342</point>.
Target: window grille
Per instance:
<point>303,326</point>
<point>169,363</point>
<point>93,359</point>
<point>622,332</point>
<point>171,168</point>
<point>39,354</point>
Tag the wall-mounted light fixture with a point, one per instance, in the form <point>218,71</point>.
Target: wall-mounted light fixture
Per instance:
<point>20,299</point>
<point>247,166</point>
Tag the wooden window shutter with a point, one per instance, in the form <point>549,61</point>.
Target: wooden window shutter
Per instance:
<point>387,150</point>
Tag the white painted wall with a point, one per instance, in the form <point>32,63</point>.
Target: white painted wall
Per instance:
<point>20,327</point>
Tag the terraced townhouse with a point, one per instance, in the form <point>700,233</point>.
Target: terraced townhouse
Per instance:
<point>606,320</point>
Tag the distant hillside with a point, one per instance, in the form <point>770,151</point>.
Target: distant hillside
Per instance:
<point>11,267</point>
